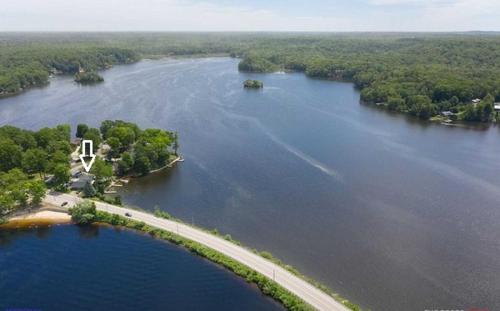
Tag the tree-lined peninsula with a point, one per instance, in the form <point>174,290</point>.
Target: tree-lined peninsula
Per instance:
<point>31,162</point>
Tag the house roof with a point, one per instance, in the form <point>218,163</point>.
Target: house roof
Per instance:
<point>81,181</point>
<point>76,141</point>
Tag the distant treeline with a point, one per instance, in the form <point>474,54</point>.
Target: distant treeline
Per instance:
<point>28,59</point>
<point>420,74</point>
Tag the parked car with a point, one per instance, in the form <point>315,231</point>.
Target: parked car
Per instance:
<point>64,204</point>
<point>128,214</point>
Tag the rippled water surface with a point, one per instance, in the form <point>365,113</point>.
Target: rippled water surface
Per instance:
<point>97,268</point>
<point>393,213</point>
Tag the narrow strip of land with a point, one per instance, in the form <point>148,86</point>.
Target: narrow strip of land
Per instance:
<point>291,282</point>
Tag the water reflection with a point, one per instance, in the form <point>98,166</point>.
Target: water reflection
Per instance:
<point>89,231</point>
<point>10,235</point>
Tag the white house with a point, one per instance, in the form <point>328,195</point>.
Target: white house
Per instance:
<point>476,101</point>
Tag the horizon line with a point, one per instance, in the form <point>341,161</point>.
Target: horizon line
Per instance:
<point>256,31</point>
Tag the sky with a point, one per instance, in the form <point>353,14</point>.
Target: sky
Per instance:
<point>255,15</point>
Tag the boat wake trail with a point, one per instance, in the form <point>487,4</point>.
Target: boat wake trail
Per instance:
<point>308,159</point>
<point>299,154</point>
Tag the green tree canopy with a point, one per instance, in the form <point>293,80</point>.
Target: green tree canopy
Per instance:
<point>35,161</point>
<point>16,189</point>
<point>125,164</point>
<point>61,175</point>
<point>83,213</point>
<point>115,147</point>
<point>10,154</point>
<point>142,165</point>
<point>37,191</point>
<point>25,152</point>
<point>89,190</point>
<point>94,135</point>
<point>125,135</point>
<point>106,125</point>
<point>101,169</point>
<point>81,129</point>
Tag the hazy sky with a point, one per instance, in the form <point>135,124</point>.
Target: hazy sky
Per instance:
<point>273,15</point>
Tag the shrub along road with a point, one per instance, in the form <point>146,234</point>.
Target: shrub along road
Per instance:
<point>310,294</point>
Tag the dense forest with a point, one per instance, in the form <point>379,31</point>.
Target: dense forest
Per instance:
<point>138,151</point>
<point>128,150</point>
<point>31,161</point>
<point>419,74</point>
<point>24,65</point>
<point>28,59</point>
<point>125,150</point>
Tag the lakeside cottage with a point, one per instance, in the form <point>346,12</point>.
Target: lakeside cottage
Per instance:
<point>81,180</point>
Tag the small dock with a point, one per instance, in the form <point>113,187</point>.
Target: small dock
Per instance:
<point>178,159</point>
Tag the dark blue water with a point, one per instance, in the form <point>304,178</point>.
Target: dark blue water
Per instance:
<point>98,268</point>
<point>393,213</point>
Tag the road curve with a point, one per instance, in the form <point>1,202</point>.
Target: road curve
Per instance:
<point>294,284</point>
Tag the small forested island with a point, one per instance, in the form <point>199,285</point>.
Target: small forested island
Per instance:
<point>88,78</point>
<point>253,84</point>
<point>33,161</point>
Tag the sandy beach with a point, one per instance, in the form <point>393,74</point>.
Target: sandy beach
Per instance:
<point>46,215</point>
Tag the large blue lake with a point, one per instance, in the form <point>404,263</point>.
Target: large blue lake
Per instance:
<point>392,213</point>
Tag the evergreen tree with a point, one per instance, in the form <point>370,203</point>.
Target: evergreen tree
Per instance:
<point>81,129</point>
<point>89,190</point>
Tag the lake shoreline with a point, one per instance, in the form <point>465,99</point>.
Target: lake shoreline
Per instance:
<point>144,58</point>
<point>45,215</point>
<point>50,214</point>
<point>168,165</point>
<point>295,129</point>
<point>295,291</point>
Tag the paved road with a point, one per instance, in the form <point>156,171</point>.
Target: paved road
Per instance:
<point>294,284</point>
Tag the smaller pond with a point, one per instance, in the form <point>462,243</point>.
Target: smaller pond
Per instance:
<point>102,268</point>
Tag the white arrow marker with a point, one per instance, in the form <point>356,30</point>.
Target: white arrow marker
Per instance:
<point>87,145</point>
